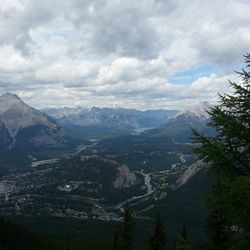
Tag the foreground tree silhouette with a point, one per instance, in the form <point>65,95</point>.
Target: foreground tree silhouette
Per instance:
<point>123,232</point>
<point>218,229</point>
<point>116,237</point>
<point>158,239</point>
<point>67,244</point>
<point>182,243</point>
<point>228,158</point>
<point>127,229</point>
<point>184,233</point>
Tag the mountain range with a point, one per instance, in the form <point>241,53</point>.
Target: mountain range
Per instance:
<point>112,118</point>
<point>22,126</point>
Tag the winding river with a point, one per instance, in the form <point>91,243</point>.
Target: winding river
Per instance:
<point>150,190</point>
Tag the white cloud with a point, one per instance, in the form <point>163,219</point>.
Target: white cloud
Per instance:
<point>126,52</point>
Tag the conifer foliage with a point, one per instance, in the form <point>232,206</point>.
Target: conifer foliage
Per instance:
<point>123,233</point>
<point>183,243</point>
<point>228,153</point>
<point>228,157</point>
<point>15,237</point>
<point>158,239</point>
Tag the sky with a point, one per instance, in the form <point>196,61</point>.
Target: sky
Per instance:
<point>144,54</point>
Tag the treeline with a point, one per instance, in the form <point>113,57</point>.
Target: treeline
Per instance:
<point>123,235</point>
<point>15,237</point>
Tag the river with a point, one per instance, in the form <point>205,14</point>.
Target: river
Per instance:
<point>150,190</point>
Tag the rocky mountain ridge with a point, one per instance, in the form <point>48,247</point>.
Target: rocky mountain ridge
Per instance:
<point>22,125</point>
<point>180,126</point>
<point>114,118</point>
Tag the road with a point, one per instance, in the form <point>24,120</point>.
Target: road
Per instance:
<point>55,160</point>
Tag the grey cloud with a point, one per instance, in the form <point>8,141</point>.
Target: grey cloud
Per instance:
<point>109,28</point>
<point>119,51</point>
<point>123,28</point>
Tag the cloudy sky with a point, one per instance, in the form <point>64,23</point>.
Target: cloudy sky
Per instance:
<point>137,54</point>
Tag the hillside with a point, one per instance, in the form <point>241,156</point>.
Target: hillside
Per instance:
<point>22,126</point>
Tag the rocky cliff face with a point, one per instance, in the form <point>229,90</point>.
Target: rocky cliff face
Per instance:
<point>192,171</point>
<point>22,125</point>
<point>125,178</point>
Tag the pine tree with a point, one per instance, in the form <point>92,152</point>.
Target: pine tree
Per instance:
<point>126,231</point>
<point>67,245</point>
<point>228,157</point>
<point>228,152</point>
<point>184,233</point>
<point>158,239</point>
<point>218,230</point>
<point>116,237</point>
<point>182,243</point>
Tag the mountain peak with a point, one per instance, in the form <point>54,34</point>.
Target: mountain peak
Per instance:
<point>17,117</point>
<point>10,95</point>
<point>15,113</point>
<point>197,109</point>
<point>10,98</point>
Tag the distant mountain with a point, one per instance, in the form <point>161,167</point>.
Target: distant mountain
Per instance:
<point>180,126</point>
<point>116,118</point>
<point>195,116</point>
<point>22,126</point>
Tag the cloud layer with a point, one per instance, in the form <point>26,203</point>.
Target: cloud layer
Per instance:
<point>140,54</point>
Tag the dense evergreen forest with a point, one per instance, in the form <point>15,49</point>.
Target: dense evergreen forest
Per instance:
<point>15,237</point>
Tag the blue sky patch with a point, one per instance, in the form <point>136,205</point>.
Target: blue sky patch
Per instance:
<point>189,76</point>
